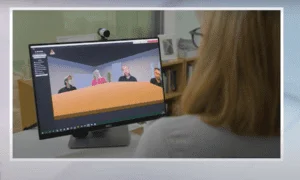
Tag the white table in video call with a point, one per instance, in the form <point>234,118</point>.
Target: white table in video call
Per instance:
<point>26,144</point>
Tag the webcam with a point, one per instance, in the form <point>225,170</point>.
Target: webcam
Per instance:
<point>103,33</point>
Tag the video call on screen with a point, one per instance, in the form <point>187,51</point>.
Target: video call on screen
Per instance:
<point>89,84</point>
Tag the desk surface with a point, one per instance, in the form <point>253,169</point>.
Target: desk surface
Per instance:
<point>27,145</point>
<point>105,98</point>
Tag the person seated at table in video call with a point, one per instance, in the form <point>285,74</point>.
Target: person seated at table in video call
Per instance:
<point>157,79</point>
<point>98,79</point>
<point>231,106</point>
<point>68,85</point>
<point>127,76</point>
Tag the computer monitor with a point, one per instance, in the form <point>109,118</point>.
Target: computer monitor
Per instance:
<point>81,87</point>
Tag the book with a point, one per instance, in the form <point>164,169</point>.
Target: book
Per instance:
<point>165,82</point>
<point>190,69</point>
<point>167,108</point>
<point>169,80</point>
<point>173,83</point>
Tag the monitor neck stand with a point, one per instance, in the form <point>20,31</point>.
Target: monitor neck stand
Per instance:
<point>111,137</point>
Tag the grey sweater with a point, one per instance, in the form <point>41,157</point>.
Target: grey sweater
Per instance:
<point>189,137</point>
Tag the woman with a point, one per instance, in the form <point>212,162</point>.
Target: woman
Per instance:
<point>231,106</point>
<point>97,78</point>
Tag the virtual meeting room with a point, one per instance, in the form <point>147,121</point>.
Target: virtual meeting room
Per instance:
<point>146,84</point>
<point>86,81</point>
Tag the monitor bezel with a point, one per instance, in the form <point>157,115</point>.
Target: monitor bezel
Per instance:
<point>98,127</point>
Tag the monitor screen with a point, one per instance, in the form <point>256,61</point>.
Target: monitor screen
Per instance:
<point>92,85</point>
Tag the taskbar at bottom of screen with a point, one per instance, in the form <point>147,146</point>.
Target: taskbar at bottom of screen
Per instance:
<point>94,125</point>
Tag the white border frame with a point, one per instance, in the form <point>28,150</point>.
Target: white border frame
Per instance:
<point>173,56</point>
<point>147,159</point>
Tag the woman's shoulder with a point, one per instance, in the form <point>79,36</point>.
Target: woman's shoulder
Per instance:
<point>180,122</point>
<point>186,125</point>
<point>162,135</point>
<point>194,138</point>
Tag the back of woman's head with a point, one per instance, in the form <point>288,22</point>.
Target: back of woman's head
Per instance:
<point>236,80</point>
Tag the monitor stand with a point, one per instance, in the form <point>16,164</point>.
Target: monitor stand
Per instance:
<point>111,137</point>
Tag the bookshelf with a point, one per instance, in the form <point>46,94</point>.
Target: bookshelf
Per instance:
<point>172,95</point>
<point>171,63</point>
<point>190,60</point>
<point>175,75</point>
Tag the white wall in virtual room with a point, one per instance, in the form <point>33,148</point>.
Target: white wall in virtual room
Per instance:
<point>140,65</point>
<point>58,72</point>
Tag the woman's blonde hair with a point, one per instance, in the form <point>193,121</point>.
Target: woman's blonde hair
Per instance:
<point>236,80</point>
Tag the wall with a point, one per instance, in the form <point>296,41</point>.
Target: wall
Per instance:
<point>180,23</point>
<point>139,65</point>
<point>185,22</point>
<point>291,54</point>
<point>44,26</point>
<point>59,69</point>
<point>169,22</point>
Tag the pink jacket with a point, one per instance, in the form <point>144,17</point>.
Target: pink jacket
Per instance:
<point>98,81</point>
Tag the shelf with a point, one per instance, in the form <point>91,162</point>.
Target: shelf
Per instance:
<point>180,66</point>
<point>172,95</point>
<point>178,61</point>
<point>172,62</point>
<point>191,59</point>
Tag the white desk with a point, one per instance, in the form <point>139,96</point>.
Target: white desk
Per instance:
<point>26,144</point>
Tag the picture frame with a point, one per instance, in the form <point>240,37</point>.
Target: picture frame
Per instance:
<point>168,47</point>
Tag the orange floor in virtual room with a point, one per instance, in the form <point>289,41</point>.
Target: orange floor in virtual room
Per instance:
<point>105,98</point>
